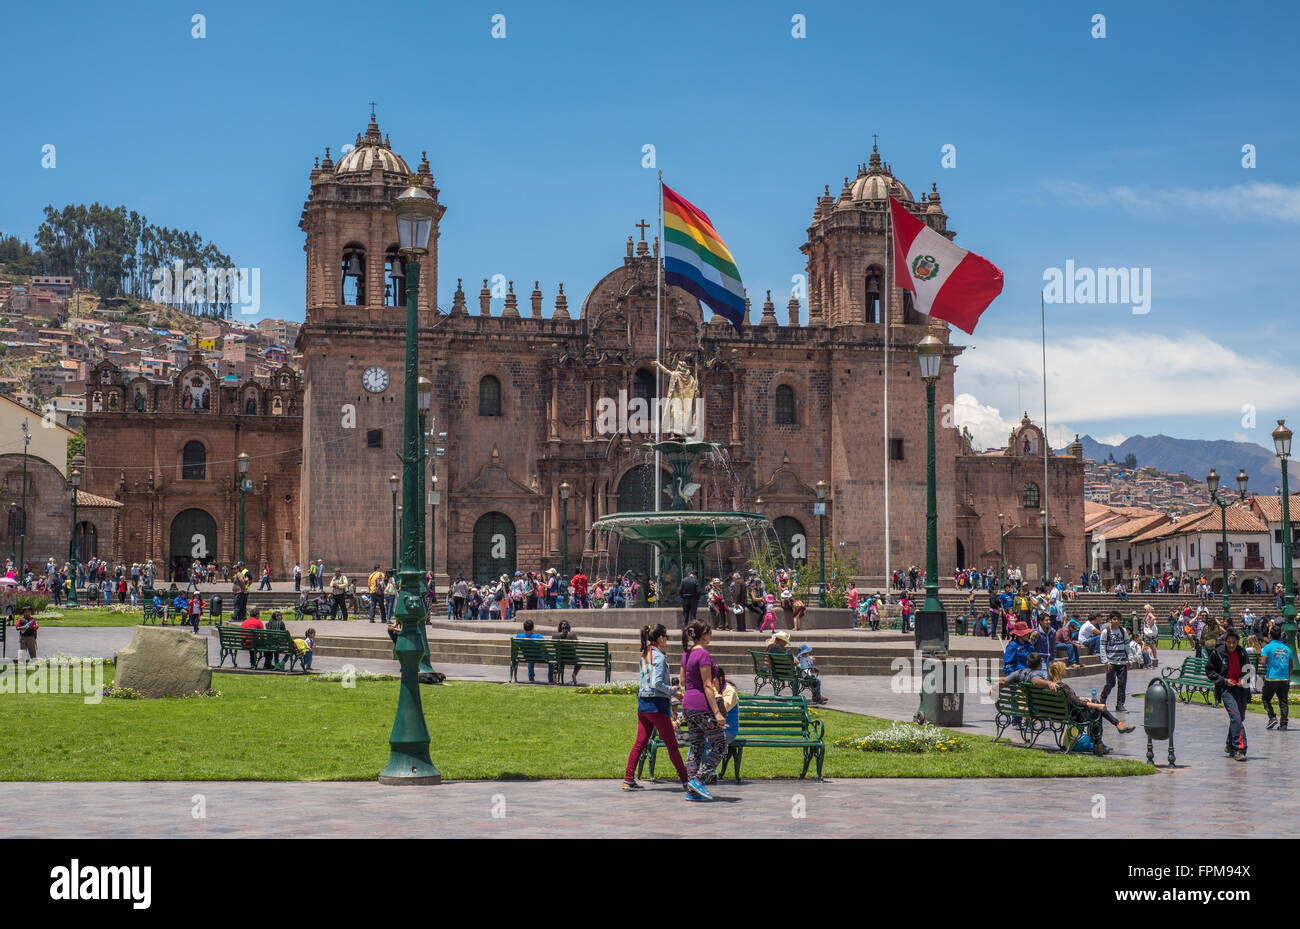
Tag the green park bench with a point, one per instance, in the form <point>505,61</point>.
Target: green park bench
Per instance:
<point>576,655</point>
<point>777,670</point>
<point>1189,680</point>
<point>1040,710</point>
<point>525,651</point>
<point>764,722</point>
<point>278,642</point>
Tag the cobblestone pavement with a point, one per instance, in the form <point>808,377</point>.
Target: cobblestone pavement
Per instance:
<point>1152,806</point>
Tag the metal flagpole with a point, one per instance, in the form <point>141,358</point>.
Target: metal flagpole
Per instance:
<point>658,379</point>
<point>889,283</point>
<point>1042,308</point>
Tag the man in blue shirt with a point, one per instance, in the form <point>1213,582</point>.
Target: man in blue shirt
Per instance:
<point>1277,677</point>
<point>528,633</point>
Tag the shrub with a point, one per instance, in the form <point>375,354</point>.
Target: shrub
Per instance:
<point>37,602</point>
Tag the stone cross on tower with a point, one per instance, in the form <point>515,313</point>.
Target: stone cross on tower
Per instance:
<point>643,226</point>
<point>372,109</point>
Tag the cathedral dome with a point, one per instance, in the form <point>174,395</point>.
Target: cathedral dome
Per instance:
<point>372,149</point>
<point>876,182</point>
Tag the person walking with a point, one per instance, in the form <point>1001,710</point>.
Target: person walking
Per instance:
<point>1277,677</point>
<point>459,596</point>
<point>265,582</point>
<point>1226,666</point>
<point>239,587</point>
<point>690,594</point>
<point>1113,647</point>
<point>297,577</point>
<point>375,586</point>
<point>339,594</point>
<point>27,627</point>
<point>704,719</point>
<point>653,709</point>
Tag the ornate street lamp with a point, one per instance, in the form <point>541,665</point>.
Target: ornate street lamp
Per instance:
<point>408,758</point>
<point>821,541</point>
<point>22,512</point>
<point>1212,482</point>
<point>1002,552</point>
<point>1282,445</point>
<point>13,534</point>
<point>424,398</point>
<point>243,460</point>
<point>930,354</point>
<point>564,528</point>
<point>435,497</point>
<point>394,482</point>
<point>1042,518</point>
<point>75,479</point>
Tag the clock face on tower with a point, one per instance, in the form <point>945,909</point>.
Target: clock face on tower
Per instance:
<point>375,379</point>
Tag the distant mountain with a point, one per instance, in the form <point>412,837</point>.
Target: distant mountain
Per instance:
<point>1194,457</point>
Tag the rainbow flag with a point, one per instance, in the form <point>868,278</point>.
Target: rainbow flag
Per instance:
<point>697,261</point>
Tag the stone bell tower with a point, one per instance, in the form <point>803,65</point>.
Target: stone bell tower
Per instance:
<point>352,346</point>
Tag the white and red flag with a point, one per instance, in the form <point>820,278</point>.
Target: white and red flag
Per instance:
<point>946,282</point>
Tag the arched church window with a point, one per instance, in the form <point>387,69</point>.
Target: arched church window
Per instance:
<point>873,293</point>
<point>112,402</point>
<point>354,275</point>
<point>489,396</point>
<point>785,405</point>
<point>97,402</point>
<point>394,278</point>
<point>276,408</point>
<point>1030,497</point>
<point>194,461</point>
<point>643,386</point>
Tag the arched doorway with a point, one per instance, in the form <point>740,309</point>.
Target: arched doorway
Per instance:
<point>494,548</point>
<point>87,542</point>
<point>794,539</point>
<point>961,555</point>
<point>193,538</point>
<point>636,495</point>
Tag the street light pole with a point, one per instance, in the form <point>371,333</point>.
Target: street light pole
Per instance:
<point>394,482</point>
<point>435,497</point>
<point>75,477</point>
<point>564,528</point>
<point>930,351</point>
<point>821,544</point>
<point>408,758</point>
<point>1212,482</point>
<point>1002,552</point>
<point>1282,445</point>
<point>243,460</point>
<point>22,512</point>
<point>424,389</point>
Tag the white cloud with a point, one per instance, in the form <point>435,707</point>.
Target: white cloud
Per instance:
<point>990,429</point>
<point>1100,379</point>
<point>1237,201</point>
<point>1115,438</point>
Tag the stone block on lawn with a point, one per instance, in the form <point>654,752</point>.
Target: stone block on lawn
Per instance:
<point>161,661</point>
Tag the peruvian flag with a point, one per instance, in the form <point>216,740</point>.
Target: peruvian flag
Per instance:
<point>946,282</point>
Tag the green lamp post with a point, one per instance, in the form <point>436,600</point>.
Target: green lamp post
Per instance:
<point>243,460</point>
<point>13,534</point>
<point>424,391</point>
<point>1002,552</point>
<point>1282,445</point>
<point>394,482</point>
<point>22,513</point>
<point>564,528</point>
<point>408,759</point>
<point>1212,482</point>
<point>435,497</point>
<point>75,478</point>
<point>821,542</point>
<point>930,353</point>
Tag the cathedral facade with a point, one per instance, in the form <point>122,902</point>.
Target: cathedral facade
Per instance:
<point>524,395</point>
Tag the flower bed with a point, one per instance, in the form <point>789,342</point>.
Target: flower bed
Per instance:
<point>617,687</point>
<point>905,738</point>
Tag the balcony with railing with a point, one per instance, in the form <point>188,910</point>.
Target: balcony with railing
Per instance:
<point>1257,562</point>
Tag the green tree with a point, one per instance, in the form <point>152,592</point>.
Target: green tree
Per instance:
<point>1130,460</point>
<point>76,446</point>
<point>768,559</point>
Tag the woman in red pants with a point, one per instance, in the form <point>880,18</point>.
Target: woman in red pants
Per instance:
<point>653,709</point>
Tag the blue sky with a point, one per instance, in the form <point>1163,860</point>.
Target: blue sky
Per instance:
<point>1116,151</point>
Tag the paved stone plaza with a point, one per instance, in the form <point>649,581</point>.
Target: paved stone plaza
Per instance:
<point>1154,806</point>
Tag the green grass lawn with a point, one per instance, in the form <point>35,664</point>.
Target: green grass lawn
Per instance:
<point>91,617</point>
<point>290,728</point>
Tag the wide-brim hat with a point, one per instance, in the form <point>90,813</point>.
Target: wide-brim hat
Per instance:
<point>1021,628</point>
<point>805,648</point>
<point>781,635</point>
<point>771,599</point>
<point>551,571</point>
